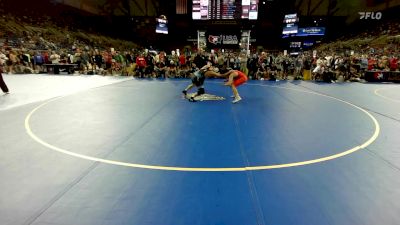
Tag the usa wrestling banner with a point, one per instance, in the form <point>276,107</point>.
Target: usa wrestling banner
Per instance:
<point>215,40</point>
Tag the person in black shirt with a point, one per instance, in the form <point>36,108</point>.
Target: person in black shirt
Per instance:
<point>200,60</point>
<point>306,68</point>
<point>252,65</point>
<point>98,59</point>
<point>150,64</point>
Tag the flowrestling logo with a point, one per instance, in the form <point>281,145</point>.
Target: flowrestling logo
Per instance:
<point>370,15</point>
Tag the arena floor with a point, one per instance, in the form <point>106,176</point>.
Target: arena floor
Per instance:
<point>113,150</point>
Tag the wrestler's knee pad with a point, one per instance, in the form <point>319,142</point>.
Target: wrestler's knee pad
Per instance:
<point>201,91</point>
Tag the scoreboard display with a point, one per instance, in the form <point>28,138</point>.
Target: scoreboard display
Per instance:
<point>224,9</point>
<point>162,25</point>
<point>290,27</point>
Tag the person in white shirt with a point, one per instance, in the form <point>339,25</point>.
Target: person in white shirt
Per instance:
<point>54,57</point>
<point>320,68</point>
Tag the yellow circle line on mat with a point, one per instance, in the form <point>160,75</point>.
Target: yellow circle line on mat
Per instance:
<point>199,169</point>
<point>385,97</point>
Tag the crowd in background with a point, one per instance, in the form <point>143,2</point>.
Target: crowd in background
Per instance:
<point>150,63</point>
<point>29,52</point>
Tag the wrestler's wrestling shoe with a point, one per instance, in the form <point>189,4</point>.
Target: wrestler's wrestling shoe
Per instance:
<point>191,99</point>
<point>237,99</point>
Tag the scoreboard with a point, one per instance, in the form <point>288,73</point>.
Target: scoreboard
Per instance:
<point>224,9</point>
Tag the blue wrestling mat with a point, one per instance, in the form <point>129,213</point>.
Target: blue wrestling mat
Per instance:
<point>137,153</point>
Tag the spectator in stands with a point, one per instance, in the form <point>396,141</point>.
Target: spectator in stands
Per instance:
<point>252,66</point>
<point>160,69</point>
<point>372,63</point>
<point>220,60</point>
<point>54,58</point>
<point>242,59</point>
<point>78,58</point>
<point>261,72</point>
<point>128,58</point>
<point>306,68</point>
<point>319,69</point>
<point>118,61</point>
<point>38,61</point>
<point>63,57</point>
<point>394,63</point>
<point>3,85</point>
<point>173,63</point>
<point>278,70</point>
<point>363,64</point>
<point>150,64</point>
<point>161,64</point>
<point>70,58</point>
<point>298,65</point>
<point>46,59</point>
<point>12,61</point>
<point>200,59</point>
<point>141,65</point>
<point>98,59</point>
<point>262,59</point>
<point>383,63</point>
<point>26,58</point>
<point>85,61</point>
<point>182,61</point>
<point>285,67</point>
<point>107,56</point>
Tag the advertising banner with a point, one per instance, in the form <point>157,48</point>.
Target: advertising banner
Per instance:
<point>382,76</point>
<point>218,40</point>
<point>311,31</point>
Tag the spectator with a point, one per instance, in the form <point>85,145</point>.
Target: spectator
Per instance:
<point>200,59</point>
<point>98,59</point>
<point>38,61</point>
<point>307,68</point>
<point>12,61</point>
<point>54,58</point>
<point>394,63</point>
<point>78,58</point>
<point>141,65</point>
<point>3,85</point>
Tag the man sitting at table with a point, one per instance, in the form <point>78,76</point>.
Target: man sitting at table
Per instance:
<point>55,59</point>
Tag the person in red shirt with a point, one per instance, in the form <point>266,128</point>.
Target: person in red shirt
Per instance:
<point>235,79</point>
<point>108,61</point>
<point>141,64</point>
<point>45,56</point>
<point>394,63</point>
<point>372,63</point>
<point>182,61</point>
